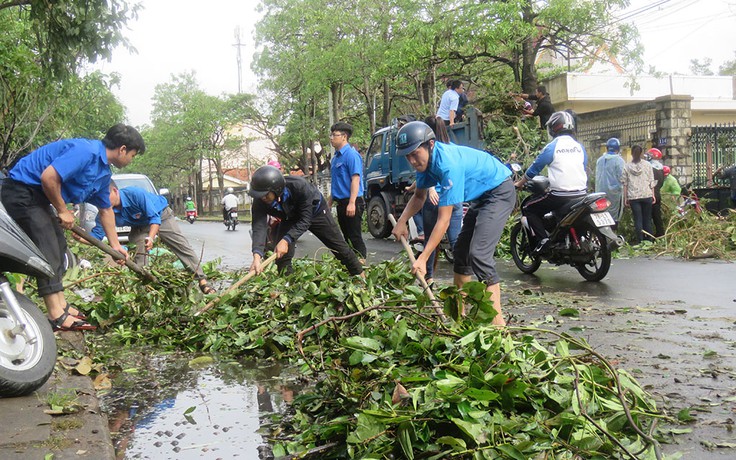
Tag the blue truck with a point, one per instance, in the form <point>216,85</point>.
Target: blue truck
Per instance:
<point>386,175</point>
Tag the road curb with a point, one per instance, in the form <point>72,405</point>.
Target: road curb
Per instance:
<point>29,433</point>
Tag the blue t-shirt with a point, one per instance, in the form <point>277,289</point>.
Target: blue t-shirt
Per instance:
<point>346,163</point>
<point>81,164</point>
<point>137,209</point>
<point>463,173</point>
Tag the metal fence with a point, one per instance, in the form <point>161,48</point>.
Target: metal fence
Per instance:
<point>630,129</point>
<point>711,146</point>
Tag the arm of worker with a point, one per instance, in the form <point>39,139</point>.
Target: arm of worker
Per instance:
<point>107,220</point>
<point>412,207</point>
<point>452,117</point>
<point>51,185</point>
<point>152,232</point>
<point>440,228</point>
<point>354,189</point>
<point>258,237</point>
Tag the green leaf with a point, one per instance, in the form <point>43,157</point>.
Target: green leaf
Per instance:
<point>570,312</point>
<point>190,410</point>
<point>511,452</point>
<point>404,432</point>
<point>476,431</point>
<point>362,343</point>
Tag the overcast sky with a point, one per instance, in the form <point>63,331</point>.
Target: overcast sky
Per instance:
<point>175,36</point>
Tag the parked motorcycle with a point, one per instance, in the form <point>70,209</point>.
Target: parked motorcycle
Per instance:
<point>191,215</point>
<point>580,235</point>
<point>232,219</point>
<point>27,342</point>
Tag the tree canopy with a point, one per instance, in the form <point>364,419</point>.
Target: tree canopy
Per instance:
<point>43,94</point>
<point>322,63</point>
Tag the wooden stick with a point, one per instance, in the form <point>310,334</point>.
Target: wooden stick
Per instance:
<point>236,285</point>
<point>418,276</point>
<point>113,253</point>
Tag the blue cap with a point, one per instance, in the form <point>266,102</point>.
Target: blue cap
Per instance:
<point>613,145</point>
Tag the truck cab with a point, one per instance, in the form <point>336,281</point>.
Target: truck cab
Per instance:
<point>386,174</point>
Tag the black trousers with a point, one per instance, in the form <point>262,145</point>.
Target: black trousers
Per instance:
<point>32,211</point>
<point>657,217</point>
<point>352,227</point>
<point>536,208</point>
<point>324,228</point>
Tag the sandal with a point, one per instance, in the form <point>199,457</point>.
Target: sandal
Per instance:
<point>78,315</point>
<point>81,325</point>
<point>206,288</point>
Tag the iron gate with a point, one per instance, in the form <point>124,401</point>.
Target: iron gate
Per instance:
<point>712,147</point>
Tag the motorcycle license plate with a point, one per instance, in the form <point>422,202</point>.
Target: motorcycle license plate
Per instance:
<point>234,214</point>
<point>602,219</point>
<point>125,229</point>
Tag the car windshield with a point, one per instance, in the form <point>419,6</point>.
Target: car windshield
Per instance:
<point>141,182</point>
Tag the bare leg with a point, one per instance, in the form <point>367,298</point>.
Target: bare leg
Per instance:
<point>494,289</point>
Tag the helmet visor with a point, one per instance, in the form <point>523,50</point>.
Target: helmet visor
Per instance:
<point>257,194</point>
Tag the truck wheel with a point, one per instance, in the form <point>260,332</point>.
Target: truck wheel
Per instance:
<point>378,223</point>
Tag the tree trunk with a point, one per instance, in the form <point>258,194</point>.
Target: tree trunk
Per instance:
<point>529,54</point>
<point>386,103</point>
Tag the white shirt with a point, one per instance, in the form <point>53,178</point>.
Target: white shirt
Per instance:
<point>230,201</point>
<point>450,100</point>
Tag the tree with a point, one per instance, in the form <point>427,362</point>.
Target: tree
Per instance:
<point>389,58</point>
<point>728,67</point>
<point>701,68</point>
<point>190,131</point>
<point>42,97</point>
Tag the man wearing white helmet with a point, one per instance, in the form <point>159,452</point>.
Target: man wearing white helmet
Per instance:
<point>566,161</point>
<point>229,201</point>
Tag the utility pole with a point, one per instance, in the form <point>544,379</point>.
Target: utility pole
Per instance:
<point>238,46</point>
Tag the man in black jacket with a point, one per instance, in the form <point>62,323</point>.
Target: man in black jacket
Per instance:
<point>544,108</point>
<point>301,207</point>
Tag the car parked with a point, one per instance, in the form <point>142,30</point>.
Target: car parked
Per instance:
<point>88,212</point>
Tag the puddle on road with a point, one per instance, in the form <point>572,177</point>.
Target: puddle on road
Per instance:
<point>167,409</point>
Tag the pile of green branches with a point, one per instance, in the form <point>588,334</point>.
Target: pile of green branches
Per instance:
<point>390,377</point>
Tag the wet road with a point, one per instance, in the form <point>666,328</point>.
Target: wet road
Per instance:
<point>633,281</point>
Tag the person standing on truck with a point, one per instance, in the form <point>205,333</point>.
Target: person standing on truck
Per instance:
<point>464,174</point>
<point>67,171</point>
<point>544,108</point>
<point>347,186</point>
<point>149,216</point>
<point>450,102</point>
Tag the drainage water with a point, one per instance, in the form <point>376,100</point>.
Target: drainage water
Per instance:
<point>171,409</point>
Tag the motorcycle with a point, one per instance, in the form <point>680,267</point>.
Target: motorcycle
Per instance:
<point>232,219</point>
<point>580,234</point>
<point>191,215</point>
<point>27,342</point>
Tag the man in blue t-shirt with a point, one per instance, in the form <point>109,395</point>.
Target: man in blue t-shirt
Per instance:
<point>44,181</point>
<point>148,215</point>
<point>464,174</point>
<point>347,186</point>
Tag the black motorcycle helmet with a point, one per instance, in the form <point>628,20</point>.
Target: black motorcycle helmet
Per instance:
<point>411,136</point>
<point>266,179</point>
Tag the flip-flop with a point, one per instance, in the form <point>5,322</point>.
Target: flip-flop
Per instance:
<point>79,315</point>
<point>57,324</point>
<point>206,288</point>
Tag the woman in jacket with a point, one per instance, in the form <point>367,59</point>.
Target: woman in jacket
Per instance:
<point>638,180</point>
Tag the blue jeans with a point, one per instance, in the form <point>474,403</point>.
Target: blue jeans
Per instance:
<point>429,217</point>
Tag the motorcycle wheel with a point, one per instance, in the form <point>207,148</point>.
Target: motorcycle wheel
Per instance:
<point>448,255</point>
<point>191,220</point>
<point>25,367</point>
<point>597,268</point>
<point>521,251</point>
